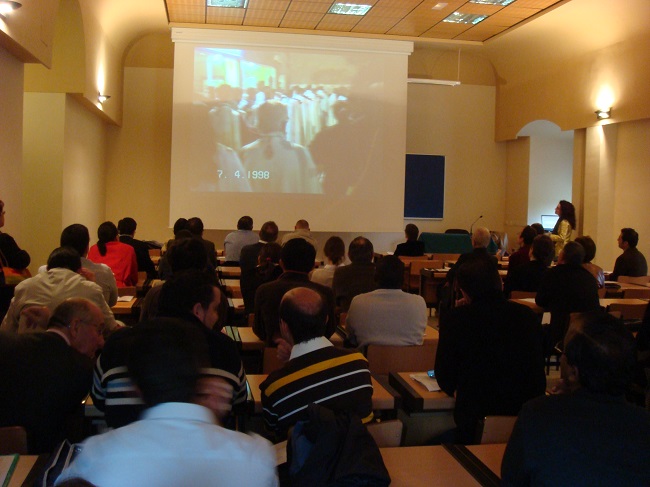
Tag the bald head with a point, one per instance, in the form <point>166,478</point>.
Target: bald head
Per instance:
<point>302,225</point>
<point>303,312</point>
<point>481,238</point>
<point>82,322</point>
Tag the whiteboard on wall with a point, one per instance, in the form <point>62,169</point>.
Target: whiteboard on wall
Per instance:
<point>424,186</point>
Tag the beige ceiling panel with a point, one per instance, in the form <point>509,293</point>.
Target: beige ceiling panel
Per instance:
<point>261,22</point>
<point>410,28</point>
<point>541,4</point>
<point>446,30</point>
<point>268,4</point>
<point>478,9</point>
<point>264,14</point>
<point>303,16</point>
<point>312,7</point>
<point>480,32</point>
<point>187,14</point>
<point>200,3</point>
<point>229,16</point>
<point>298,24</point>
<point>339,22</point>
<point>392,12</point>
<point>374,26</point>
<point>503,18</point>
<point>518,12</point>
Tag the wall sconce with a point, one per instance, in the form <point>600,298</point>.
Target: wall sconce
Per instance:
<point>8,6</point>
<point>102,98</point>
<point>602,114</point>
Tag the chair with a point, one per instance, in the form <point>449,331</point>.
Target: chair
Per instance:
<point>495,429</point>
<point>522,294</point>
<point>126,291</point>
<point>387,433</point>
<point>383,359</point>
<point>628,312</point>
<point>602,292</point>
<point>413,283</point>
<point>13,439</point>
<point>636,293</point>
<point>634,280</point>
<point>270,360</point>
<point>445,257</point>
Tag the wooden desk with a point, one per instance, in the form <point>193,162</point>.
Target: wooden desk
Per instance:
<point>228,272</point>
<point>233,287</point>
<point>415,396</point>
<point>382,400</point>
<point>604,302</point>
<point>490,455</point>
<point>24,466</point>
<point>249,340</point>
<point>124,307</point>
<point>237,305</point>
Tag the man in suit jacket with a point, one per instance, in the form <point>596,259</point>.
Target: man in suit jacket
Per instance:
<point>412,247</point>
<point>126,228</point>
<point>248,261</point>
<point>358,277</point>
<point>195,226</point>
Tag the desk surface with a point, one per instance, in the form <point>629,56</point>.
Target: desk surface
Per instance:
<point>415,397</point>
<point>124,307</point>
<point>381,398</point>
<point>229,272</point>
<point>490,455</point>
<point>604,302</point>
<point>25,464</point>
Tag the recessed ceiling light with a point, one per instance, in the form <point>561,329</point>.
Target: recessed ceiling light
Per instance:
<point>7,6</point>
<point>501,3</point>
<point>460,18</point>
<point>349,9</point>
<point>439,6</point>
<point>228,3</point>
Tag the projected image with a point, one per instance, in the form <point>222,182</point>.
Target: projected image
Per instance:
<point>268,122</point>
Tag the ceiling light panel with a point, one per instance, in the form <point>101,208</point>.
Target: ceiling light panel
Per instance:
<point>461,18</point>
<point>227,3</point>
<point>501,3</point>
<point>349,9</point>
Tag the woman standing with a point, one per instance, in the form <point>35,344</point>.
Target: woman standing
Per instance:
<point>118,256</point>
<point>564,227</point>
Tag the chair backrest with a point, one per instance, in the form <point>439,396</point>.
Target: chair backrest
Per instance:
<point>155,252</point>
<point>387,433</point>
<point>460,231</point>
<point>496,429</point>
<point>414,272</point>
<point>602,292</point>
<point>637,293</point>
<point>522,294</point>
<point>126,291</point>
<point>383,359</point>
<point>445,257</point>
<point>628,311</point>
<point>270,360</point>
<point>634,280</point>
<point>13,439</point>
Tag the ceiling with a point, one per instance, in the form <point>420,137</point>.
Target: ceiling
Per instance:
<point>422,19</point>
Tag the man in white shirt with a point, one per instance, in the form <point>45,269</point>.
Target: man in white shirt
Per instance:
<point>388,315</point>
<point>237,240</point>
<point>301,230</point>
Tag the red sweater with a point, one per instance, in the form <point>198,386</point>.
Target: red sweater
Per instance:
<point>121,259</point>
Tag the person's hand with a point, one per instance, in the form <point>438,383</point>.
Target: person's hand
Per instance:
<point>34,318</point>
<point>215,394</point>
<point>461,302</point>
<point>284,349</point>
<point>87,273</point>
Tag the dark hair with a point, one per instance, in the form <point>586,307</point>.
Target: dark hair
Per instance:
<point>361,250</point>
<point>269,232</point>
<point>630,236</point>
<point>187,253</point>
<point>568,212</point>
<point>195,225</point>
<point>590,247</point>
<point>539,228</point>
<point>182,291</point>
<point>245,223</point>
<point>75,236</point>
<point>574,253</point>
<point>107,232</point>
<point>64,258</point>
<point>268,259</point>
<point>127,226</point>
<point>390,272</point>
<point>298,255</point>
<point>602,349</point>
<point>528,234</point>
<point>411,232</point>
<point>334,249</point>
<point>543,249</point>
<point>479,278</point>
<point>180,224</point>
<point>304,322</point>
<point>165,360</point>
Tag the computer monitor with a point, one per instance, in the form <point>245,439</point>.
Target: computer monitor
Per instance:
<point>549,221</point>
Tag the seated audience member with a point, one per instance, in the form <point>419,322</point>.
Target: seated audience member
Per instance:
<point>590,252</point>
<point>177,440</point>
<point>179,225</point>
<point>334,251</point>
<point>490,351</point>
<point>297,260</point>
<point>301,230</point>
<point>412,247</point>
<point>195,226</point>
<point>590,436</point>
<point>248,258</point>
<point>528,276</point>
<point>126,228</point>
<point>10,254</point>
<point>522,256</point>
<point>631,262</point>
<point>567,288</point>
<point>268,269</point>
<point>388,315</point>
<point>356,278</point>
<point>192,297</point>
<point>61,280</point>
<point>317,372</point>
<point>235,241</point>
<point>118,256</point>
<point>45,376</point>
<point>165,268</point>
<point>539,228</point>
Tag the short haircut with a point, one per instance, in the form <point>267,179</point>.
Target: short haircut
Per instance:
<point>304,224</point>
<point>187,253</point>
<point>126,226</point>
<point>298,255</point>
<point>68,310</point>
<point>165,360</point>
<point>334,249</point>
<point>64,258</point>
<point>411,231</point>
<point>180,224</point>
<point>390,272</point>
<point>306,319</point>
<point>361,250</point>
<point>528,234</point>
<point>75,236</point>
<point>182,291</point>
<point>269,232</point>
<point>245,223</point>
<point>479,278</point>
<point>543,249</point>
<point>574,253</point>
<point>590,247</point>
<point>602,349</point>
<point>195,225</point>
<point>481,237</point>
<point>539,228</point>
<point>271,116</point>
<point>107,232</point>
<point>630,236</point>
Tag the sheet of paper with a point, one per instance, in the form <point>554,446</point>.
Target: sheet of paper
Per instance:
<point>125,299</point>
<point>426,381</point>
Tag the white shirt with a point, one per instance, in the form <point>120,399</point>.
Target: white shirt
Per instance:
<point>309,346</point>
<point>235,241</point>
<point>103,277</point>
<point>174,445</point>
<point>324,275</point>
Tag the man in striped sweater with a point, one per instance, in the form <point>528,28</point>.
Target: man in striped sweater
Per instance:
<point>317,372</point>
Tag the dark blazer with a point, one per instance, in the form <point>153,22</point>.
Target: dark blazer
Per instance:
<point>490,356</point>
<point>145,264</point>
<point>630,263</point>
<point>476,253</point>
<point>410,248</point>
<point>211,251</point>
<point>16,257</point>
<point>267,304</point>
<point>518,258</point>
<point>351,280</point>
<point>525,277</point>
<point>248,257</point>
